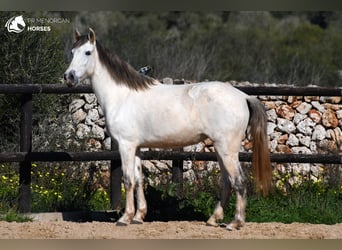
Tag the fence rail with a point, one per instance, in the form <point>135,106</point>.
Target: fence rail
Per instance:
<point>26,156</point>
<point>161,155</point>
<point>250,90</point>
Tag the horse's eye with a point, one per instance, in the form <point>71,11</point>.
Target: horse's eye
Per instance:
<point>88,53</point>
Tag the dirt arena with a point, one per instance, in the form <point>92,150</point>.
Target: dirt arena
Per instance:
<point>164,230</point>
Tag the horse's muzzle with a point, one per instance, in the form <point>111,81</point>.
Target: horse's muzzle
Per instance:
<point>71,78</point>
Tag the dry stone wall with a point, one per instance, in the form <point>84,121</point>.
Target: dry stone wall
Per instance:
<point>296,124</point>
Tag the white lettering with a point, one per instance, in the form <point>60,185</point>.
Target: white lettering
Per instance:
<point>43,20</point>
<point>39,28</point>
<point>30,20</point>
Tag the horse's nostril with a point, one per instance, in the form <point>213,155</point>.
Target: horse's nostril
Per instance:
<point>70,76</point>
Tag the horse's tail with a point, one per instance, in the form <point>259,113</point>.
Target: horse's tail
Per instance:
<point>261,164</point>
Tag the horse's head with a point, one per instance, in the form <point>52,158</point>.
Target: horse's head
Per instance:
<point>83,62</point>
<point>15,24</point>
<point>20,20</point>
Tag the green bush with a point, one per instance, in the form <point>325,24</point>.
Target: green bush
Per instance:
<point>54,189</point>
<point>306,55</point>
<point>286,48</point>
<point>14,216</point>
<point>310,202</point>
<point>9,184</point>
<point>59,189</point>
<point>28,58</point>
<point>306,202</point>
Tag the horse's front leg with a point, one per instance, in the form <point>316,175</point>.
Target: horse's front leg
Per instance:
<point>141,201</point>
<point>127,153</point>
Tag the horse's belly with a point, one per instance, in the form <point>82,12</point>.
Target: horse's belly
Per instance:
<point>173,141</point>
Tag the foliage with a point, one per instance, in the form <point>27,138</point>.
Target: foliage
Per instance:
<point>307,202</point>
<point>28,57</point>
<point>65,189</point>
<point>9,184</point>
<point>11,216</point>
<point>297,48</point>
<point>310,202</point>
<point>306,55</point>
<point>55,189</point>
<point>59,189</point>
<point>99,200</point>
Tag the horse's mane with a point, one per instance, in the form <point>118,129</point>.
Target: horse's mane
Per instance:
<point>120,71</point>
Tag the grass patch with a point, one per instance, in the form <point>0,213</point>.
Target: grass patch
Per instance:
<point>59,189</point>
<point>13,216</point>
<point>53,189</point>
<point>310,202</point>
<point>298,206</point>
<point>276,208</point>
<point>316,202</point>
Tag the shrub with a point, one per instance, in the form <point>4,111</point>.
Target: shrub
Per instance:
<point>307,202</point>
<point>54,189</point>
<point>27,58</point>
<point>9,183</point>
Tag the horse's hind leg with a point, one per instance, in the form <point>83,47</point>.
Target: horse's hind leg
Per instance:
<point>224,198</point>
<point>141,201</point>
<point>230,162</point>
<point>241,200</point>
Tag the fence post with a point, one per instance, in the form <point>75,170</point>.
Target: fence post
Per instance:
<point>177,176</point>
<point>25,146</point>
<point>115,179</point>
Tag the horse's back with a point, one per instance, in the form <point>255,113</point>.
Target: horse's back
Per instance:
<point>222,109</point>
<point>221,98</point>
<point>207,103</point>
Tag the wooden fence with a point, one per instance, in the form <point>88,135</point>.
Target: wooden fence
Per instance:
<point>26,156</point>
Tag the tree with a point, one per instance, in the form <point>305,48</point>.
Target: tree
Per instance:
<point>252,46</point>
<point>27,57</point>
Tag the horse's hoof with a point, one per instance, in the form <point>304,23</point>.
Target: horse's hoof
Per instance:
<point>223,225</point>
<point>211,224</point>
<point>236,225</point>
<point>138,222</point>
<point>120,224</point>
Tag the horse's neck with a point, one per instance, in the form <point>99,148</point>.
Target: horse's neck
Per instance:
<point>108,93</point>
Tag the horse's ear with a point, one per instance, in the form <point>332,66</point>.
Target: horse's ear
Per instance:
<point>91,35</point>
<point>77,35</point>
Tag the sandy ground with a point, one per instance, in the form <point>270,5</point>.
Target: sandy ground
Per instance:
<point>164,230</point>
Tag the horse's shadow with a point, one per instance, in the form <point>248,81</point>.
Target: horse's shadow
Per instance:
<point>165,207</point>
<point>161,207</point>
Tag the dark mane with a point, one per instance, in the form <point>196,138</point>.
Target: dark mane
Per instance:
<point>120,71</point>
<point>80,41</point>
